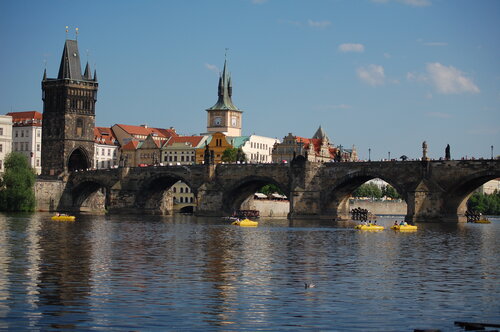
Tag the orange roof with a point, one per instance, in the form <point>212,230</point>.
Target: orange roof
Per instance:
<point>194,140</point>
<point>28,118</point>
<point>103,135</point>
<point>145,131</point>
<point>132,145</point>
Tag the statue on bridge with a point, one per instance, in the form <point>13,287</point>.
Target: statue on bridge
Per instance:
<point>447,152</point>
<point>424,151</point>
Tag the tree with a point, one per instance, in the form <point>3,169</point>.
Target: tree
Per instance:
<point>484,203</point>
<point>17,184</point>
<point>368,190</point>
<point>231,155</point>
<point>389,191</point>
<point>271,189</point>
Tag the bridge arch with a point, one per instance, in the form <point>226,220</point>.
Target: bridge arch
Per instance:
<point>90,196</point>
<point>455,200</point>
<point>335,200</point>
<point>153,196</point>
<point>239,191</point>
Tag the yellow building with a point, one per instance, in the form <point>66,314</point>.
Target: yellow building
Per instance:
<point>216,144</point>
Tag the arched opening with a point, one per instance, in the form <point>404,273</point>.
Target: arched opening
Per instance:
<point>163,196</point>
<point>78,160</point>
<point>366,193</point>
<point>476,194</point>
<point>183,198</point>
<point>257,196</point>
<point>90,197</point>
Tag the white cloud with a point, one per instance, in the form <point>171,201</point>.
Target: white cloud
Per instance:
<point>449,80</point>
<point>212,68</point>
<point>414,3</point>
<point>351,48</point>
<point>318,24</point>
<point>372,74</point>
<point>439,115</point>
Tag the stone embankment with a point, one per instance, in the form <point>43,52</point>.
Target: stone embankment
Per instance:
<point>393,207</point>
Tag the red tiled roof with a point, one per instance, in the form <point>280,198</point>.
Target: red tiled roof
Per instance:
<point>140,130</point>
<point>132,145</point>
<point>28,118</point>
<point>103,135</point>
<point>194,140</point>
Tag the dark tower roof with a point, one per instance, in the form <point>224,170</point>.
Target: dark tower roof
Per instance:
<point>70,67</point>
<point>86,74</point>
<point>224,91</point>
<point>320,134</point>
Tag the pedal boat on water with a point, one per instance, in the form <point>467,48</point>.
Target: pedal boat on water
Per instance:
<point>245,223</point>
<point>369,227</point>
<point>403,228</point>
<point>63,218</point>
<point>482,221</point>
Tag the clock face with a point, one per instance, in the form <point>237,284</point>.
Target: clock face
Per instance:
<point>217,120</point>
<point>234,121</point>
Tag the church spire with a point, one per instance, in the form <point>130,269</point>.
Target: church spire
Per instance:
<point>224,92</point>
<point>44,75</point>
<point>95,75</point>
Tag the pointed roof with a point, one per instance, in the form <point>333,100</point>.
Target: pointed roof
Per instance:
<point>192,141</point>
<point>86,74</point>
<point>320,134</point>
<point>70,67</point>
<point>224,92</point>
<point>104,135</point>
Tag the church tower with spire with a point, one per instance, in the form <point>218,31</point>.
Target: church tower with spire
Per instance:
<point>224,116</point>
<point>68,115</point>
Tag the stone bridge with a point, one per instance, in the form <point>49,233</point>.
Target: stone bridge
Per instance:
<point>433,190</point>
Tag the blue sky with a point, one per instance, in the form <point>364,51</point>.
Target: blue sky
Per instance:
<point>383,75</point>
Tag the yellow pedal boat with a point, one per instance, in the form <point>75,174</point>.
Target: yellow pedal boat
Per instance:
<point>63,218</point>
<point>404,227</point>
<point>245,223</point>
<point>482,221</point>
<point>369,227</point>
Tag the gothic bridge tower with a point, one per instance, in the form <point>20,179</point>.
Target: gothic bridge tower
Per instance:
<point>224,116</point>
<point>68,115</point>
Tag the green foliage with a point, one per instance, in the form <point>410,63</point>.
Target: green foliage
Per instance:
<point>368,190</point>
<point>270,189</point>
<point>231,155</point>
<point>389,191</point>
<point>484,203</point>
<point>17,185</point>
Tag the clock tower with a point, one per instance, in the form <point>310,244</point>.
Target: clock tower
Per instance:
<point>224,116</point>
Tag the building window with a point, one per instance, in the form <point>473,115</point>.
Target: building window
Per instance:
<point>38,147</point>
<point>182,190</point>
<point>102,164</point>
<point>1,147</point>
<point>175,189</point>
<point>109,163</point>
<point>79,128</point>
<point>38,133</point>
<point>109,152</point>
<point>22,133</point>
<point>1,131</point>
<point>38,162</point>
<point>1,164</point>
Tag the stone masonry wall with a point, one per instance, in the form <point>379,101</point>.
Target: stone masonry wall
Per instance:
<point>48,194</point>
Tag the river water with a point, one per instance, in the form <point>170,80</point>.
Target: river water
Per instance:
<point>187,273</point>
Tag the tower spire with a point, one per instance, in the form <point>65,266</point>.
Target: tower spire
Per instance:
<point>70,67</point>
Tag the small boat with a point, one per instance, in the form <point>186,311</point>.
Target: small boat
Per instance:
<point>63,218</point>
<point>404,227</point>
<point>482,221</point>
<point>245,223</point>
<point>231,219</point>
<point>369,227</point>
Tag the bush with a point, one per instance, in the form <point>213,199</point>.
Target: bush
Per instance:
<point>16,185</point>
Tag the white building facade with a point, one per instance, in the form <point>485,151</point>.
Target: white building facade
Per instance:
<point>258,149</point>
<point>27,137</point>
<point>106,152</point>
<point>5,139</point>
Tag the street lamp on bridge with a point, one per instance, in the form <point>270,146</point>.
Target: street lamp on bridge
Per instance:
<point>492,152</point>
<point>389,156</point>
<point>369,154</point>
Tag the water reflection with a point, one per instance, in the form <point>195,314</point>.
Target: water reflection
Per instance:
<point>124,273</point>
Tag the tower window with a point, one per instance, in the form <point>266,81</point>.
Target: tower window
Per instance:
<point>79,128</point>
